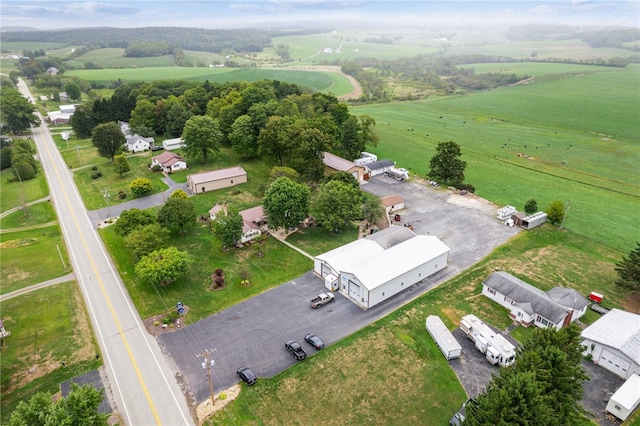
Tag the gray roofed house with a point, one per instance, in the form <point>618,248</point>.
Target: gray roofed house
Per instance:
<point>529,305</point>
<point>137,143</point>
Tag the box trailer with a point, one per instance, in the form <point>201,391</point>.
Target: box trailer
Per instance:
<point>448,344</point>
<point>626,399</point>
<point>497,349</point>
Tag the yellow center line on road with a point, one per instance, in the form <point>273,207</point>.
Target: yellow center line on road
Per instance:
<point>104,292</point>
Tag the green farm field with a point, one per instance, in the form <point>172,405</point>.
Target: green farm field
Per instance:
<point>577,132</point>
<point>318,81</point>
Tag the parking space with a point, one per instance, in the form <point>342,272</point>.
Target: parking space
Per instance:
<point>253,332</point>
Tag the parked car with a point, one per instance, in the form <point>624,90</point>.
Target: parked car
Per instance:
<point>156,148</point>
<point>247,375</point>
<point>314,341</point>
<point>295,348</point>
<point>459,417</point>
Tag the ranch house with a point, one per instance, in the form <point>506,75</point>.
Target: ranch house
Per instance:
<point>169,162</point>
<point>529,305</point>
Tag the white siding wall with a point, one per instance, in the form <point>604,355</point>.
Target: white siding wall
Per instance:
<point>597,353</point>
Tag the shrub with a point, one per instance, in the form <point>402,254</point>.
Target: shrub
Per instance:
<point>219,272</point>
<point>156,168</point>
<point>94,176</point>
<point>94,168</point>
<point>99,174</point>
<point>141,186</point>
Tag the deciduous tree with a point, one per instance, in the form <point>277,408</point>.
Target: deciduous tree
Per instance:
<point>555,212</point>
<point>372,209</point>
<point>73,90</point>
<point>446,165</point>
<point>336,204</point>
<point>163,266</point>
<point>80,407</point>
<point>108,138</point>
<point>141,186</point>
<point>202,136</point>
<point>131,219</point>
<point>178,211</point>
<point>120,164</point>
<point>16,112</point>
<point>628,270</point>
<point>286,203</point>
<point>243,138</point>
<point>146,238</point>
<point>227,227</point>
<point>143,118</point>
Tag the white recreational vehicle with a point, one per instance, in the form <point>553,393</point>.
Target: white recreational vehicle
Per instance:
<point>497,349</point>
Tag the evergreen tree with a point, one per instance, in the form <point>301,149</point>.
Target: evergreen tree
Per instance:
<point>628,270</point>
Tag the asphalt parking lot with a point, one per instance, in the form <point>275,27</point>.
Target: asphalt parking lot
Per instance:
<point>253,332</point>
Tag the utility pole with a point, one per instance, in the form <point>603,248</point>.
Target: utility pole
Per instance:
<point>106,197</point>
<point>206,365</point>
<point>78,152</point>
<point>564,216</point>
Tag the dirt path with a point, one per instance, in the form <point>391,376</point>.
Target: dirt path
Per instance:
<point>357,89</point>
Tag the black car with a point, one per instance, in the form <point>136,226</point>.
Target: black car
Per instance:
<point>247,375</point>
<point>314,341</point>
<point>461,415</point>
<point>295,348</point>
<point>156,148</point>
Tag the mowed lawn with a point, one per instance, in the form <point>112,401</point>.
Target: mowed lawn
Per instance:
<point>48,327</point>
<point>392,372</point>
<point>555,139</point>
<point>15,193</point>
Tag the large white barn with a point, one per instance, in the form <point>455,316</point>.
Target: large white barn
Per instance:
<point>613,342</point>
<point>375,268</point>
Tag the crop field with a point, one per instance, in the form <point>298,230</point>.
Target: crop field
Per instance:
<point>569,138</point>
<point>20,46</point>
<point>392,372</point>
<point>539,69</point>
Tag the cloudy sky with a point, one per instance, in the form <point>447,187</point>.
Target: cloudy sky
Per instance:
<point>51,14</point>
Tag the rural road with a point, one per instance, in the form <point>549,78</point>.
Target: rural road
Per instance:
<point>144,388</point>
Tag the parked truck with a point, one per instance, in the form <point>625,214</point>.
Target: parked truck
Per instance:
<point>322,299</point>
<point>398,173</point>
<point>498,350</point>
<point>448,344</point>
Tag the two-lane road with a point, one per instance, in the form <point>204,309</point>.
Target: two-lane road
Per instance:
<point>144,387</point>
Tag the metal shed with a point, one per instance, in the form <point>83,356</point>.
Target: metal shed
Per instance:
<point>626,399</point>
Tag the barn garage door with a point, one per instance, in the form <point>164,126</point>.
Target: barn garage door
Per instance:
<point>325,270</point>
<point>354,290</point>
<point>614,363</point>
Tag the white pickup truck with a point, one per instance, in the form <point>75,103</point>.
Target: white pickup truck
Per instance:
<point>322,299</point>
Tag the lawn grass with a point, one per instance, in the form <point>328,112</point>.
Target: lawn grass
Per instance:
<point>47,327</point>
<point>391,372</point>
<point>589,158</point>
<point>30,257</point>
<point>14,193</point>
<point>316,240</point>
<point>28,216</point>
<point>207,256</point>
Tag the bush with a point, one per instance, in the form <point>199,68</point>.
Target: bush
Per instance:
<point>141,186</point>
<point>468,187</point>
<point>94,168</point>
<point>94,176</point>
<point>219,272</point>
<point>156,168</point>
<point>99,174</point>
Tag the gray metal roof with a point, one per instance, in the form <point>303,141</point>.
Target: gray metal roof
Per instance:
<point>530,299</point>
<point>380,164</point>
<point>617,329</point>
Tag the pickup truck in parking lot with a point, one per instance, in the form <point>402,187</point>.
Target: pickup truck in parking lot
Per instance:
<point>295,348</point>
<point>322,299</point>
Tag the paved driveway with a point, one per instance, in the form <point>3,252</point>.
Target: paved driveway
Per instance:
<point>253,333</point>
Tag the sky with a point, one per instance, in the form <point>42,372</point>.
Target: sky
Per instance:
<point>293,14</point>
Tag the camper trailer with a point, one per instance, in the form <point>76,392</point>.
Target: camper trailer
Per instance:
<point>497,349</point>
<point>448,344</point>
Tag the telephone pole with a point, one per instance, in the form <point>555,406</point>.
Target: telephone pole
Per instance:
<point>206,365</point>
<point>564,216</point>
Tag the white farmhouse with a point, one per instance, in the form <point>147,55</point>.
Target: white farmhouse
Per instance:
<point>613,342</point>
<point>372,269</point>
<point>137,143</point>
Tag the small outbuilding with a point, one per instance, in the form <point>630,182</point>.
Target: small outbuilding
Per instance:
<point>392,203</point>
<point>173,144</point>
<point>217,179</point>
<point>374,268</point>
<point>378,167</point>
<point>333,164</point>
<point>626,399</point>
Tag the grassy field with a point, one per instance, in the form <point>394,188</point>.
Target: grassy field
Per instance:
<point>31,256</point>
<point>35,214</point>
<point>588,156</point>
<point>391,372</point>
<point>48,327</point>
<point>318,81</point>
<point>15,193</point>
